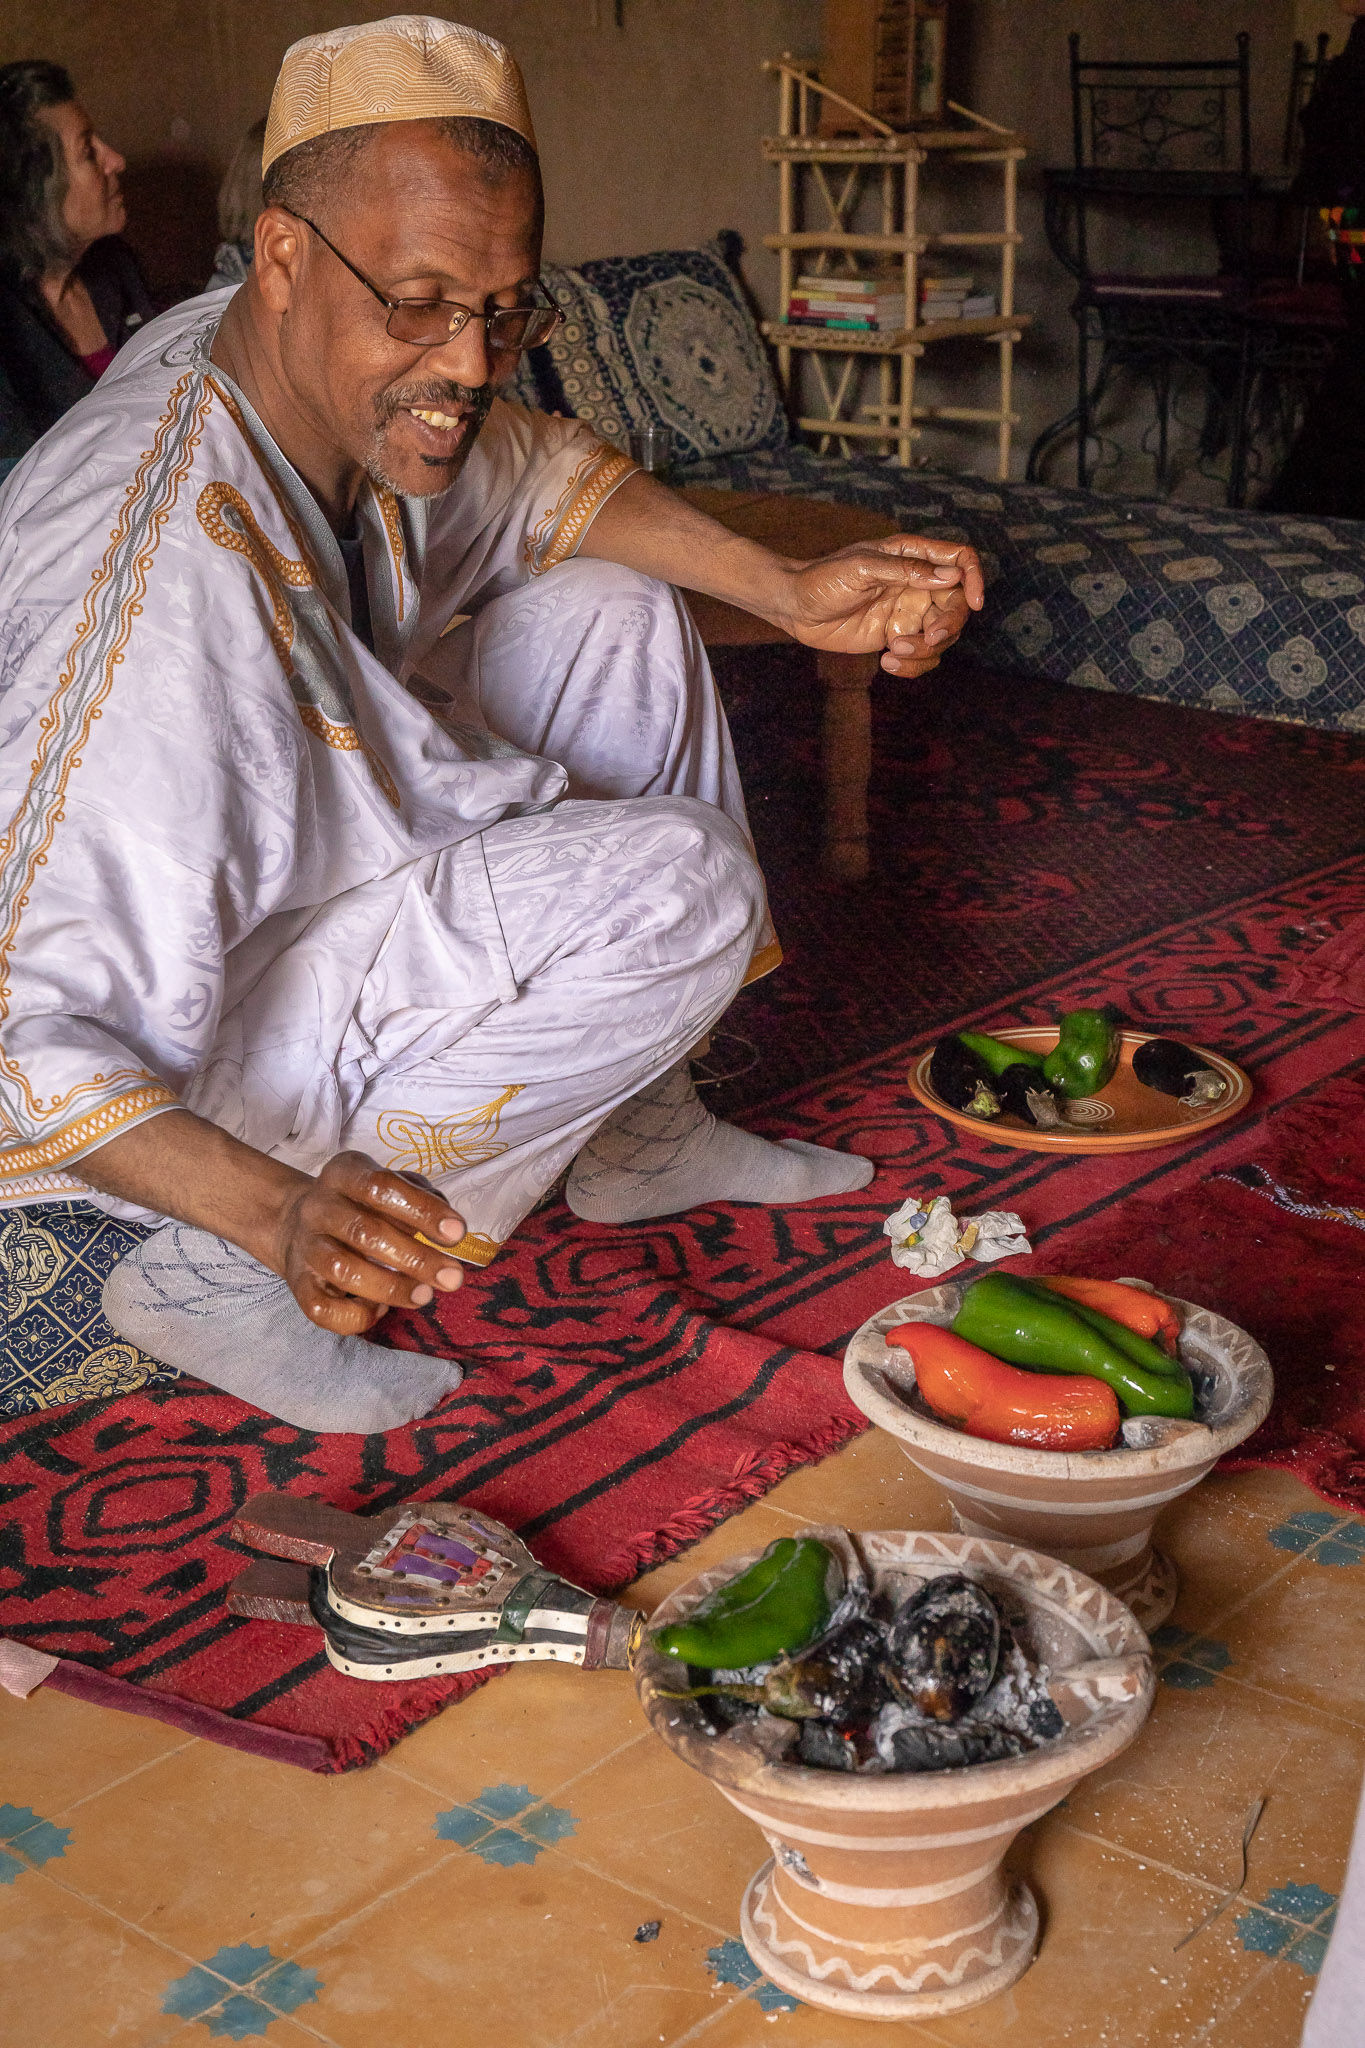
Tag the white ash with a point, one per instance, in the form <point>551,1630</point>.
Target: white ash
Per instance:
<point>1016,1714</point>
<point>1018,1699</point>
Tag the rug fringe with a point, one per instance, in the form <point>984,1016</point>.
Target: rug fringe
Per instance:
<point>357,1747</point>
<point>756,1473</point>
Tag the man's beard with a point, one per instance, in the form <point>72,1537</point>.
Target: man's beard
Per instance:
<point>440,395</point>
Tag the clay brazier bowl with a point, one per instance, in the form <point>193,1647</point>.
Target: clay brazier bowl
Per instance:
<point>884,1898</point>
<point>1092,1509</point>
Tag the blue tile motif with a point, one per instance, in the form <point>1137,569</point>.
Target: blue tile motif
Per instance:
<point>239,1991</point>
<point>1292,1923</point>
<point>730,1963</point>
<point>481,1825</point>
<point>1325,1537</point>
<point>32,1840</point>
<point>1188,1662</point>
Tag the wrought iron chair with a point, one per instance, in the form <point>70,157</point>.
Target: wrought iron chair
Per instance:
<point>1159,134</point>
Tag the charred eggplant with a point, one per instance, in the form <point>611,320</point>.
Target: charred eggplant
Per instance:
<point>945,1645</point>
<point>840,1681</point>
<point>1025,1094</point>
<point>963,1080</point>
<point>1172,1069</point>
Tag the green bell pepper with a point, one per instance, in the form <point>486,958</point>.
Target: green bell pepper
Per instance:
<point>1140,1349</point>
<point>1086,1053</point>
<point>782,1603</point>
<point>995,1055</point>
<point>1020,1324</point>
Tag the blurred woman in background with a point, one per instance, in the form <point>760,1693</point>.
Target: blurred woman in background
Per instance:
<point>239,202</point>
<point>70,290</point>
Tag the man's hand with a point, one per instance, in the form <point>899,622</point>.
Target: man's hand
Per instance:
<point>347,1241</point>
<point>347,1244</point>
<point>905,598</point>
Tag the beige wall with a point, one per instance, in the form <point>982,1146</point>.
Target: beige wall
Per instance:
<point>1312,16</point>
<point>650,135</point>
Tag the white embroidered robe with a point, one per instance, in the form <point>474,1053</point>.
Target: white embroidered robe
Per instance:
<point>198,756</point>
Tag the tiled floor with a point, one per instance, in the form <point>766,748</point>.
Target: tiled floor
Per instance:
<point>485,1884</point>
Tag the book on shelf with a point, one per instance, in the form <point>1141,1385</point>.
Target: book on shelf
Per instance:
<point>891,307</point>
<point>848,323</point>
<point>947,287</point>
<point>869,287</point>
<point>979,307</point>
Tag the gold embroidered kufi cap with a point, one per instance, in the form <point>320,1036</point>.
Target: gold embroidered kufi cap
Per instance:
<point>411,67</point>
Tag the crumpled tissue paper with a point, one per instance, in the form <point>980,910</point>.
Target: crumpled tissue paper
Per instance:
<point>928,1239</point>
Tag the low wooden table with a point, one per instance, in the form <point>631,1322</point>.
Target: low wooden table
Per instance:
<point>806,528</point>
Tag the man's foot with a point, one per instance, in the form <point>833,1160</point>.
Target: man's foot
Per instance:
<point>663,1152</point>
<point>202,1305</point>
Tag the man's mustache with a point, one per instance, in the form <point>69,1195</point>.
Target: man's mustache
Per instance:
<point>436,394</point>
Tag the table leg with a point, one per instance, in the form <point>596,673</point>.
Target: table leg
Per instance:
<point>846,760</point>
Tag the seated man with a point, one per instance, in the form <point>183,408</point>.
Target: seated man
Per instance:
<point>376,841</point>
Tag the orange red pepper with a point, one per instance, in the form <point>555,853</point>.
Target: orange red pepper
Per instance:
<point>1137,1310</point>
<point>1001,1403</point>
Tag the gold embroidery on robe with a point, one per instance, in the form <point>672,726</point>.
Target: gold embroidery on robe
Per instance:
<point>564,524</point>
<point>275,570</point>
<point>86,1131</point>
<point>65,725</point>
<point>420,1146</point>
<point>393,527</point>
<point>242,534</point>
<point>474,1249</point>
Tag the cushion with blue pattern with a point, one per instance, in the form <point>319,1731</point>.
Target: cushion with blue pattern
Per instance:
<point>659,340</point>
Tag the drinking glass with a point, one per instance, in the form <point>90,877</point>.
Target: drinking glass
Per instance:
<point>652,448</point>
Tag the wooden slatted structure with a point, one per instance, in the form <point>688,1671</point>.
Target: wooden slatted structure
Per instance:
<point>841,172</point>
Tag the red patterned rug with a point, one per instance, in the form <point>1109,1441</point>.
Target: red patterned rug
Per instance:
<point>628,1388</point>
<point>1275,1242</point>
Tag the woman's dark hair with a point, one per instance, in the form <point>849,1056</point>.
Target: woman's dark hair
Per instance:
<point>32,168</point>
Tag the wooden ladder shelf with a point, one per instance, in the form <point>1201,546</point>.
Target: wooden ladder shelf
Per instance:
<point>875,169</point>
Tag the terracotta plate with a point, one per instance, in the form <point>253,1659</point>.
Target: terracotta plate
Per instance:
<point>1124,1117</point>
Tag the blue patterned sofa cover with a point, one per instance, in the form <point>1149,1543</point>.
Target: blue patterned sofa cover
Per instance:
<point>1230,611</point>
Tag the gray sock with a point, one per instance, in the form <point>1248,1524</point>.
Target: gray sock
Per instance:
<point>663,1152</point>
<point>202,1305</point>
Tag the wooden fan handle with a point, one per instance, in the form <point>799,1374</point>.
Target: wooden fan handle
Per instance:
<point>299,1527</point>
<point>272,1589</point>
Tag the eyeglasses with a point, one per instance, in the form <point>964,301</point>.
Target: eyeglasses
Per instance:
<point>425,323</point>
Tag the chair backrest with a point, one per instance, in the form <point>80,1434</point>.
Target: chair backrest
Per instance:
<point>1305,75</point>
<point>1179,115</point>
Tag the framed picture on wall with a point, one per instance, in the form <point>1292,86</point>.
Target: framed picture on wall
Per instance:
<point>926,83</point>
<point>887,56</point>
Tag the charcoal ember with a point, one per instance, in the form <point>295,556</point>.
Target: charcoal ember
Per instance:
<point>721,1711</point>
<point>1045,1719</point>
<point>944,1647</point>
<point>771,1737</point>
<point>907,1742</point>
<point>1018,1700</point>
<point>826,1748</point>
